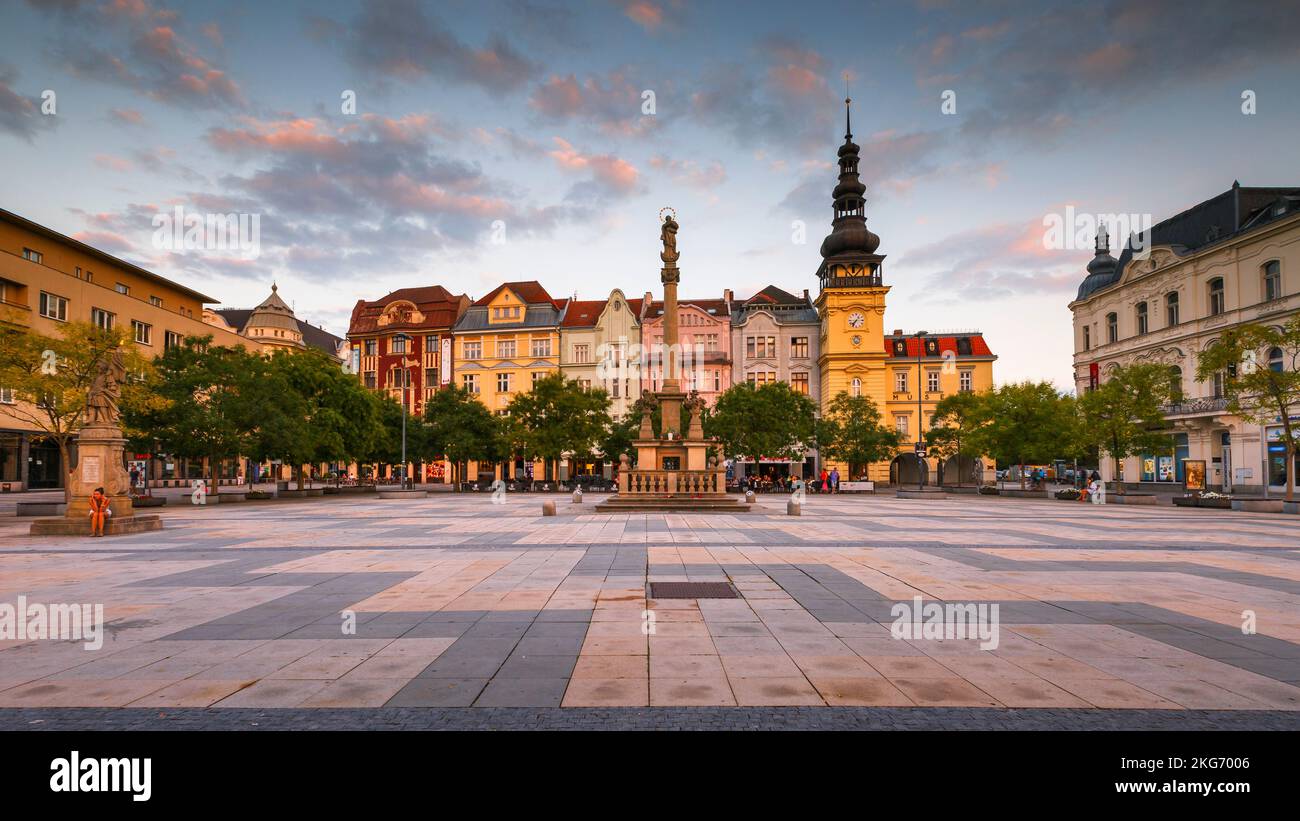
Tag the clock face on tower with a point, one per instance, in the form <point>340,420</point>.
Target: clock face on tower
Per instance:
<point>855,320</point>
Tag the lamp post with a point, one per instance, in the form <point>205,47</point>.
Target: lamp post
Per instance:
<point>406,381</point>
<point>920,352</point>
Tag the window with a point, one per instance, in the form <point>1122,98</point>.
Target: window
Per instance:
<point>581,353</point>
<point>1272,280</point>
<point>541,347</point>
<point>760,347</point>
<point>1275,360</point>
<point>585,384</point>
<point>614,389</point>
<point>538,376</point>
<point>431,344</point>
<point>503,383</point>
<point>1176,383</point>
<point>1216,296</point>
<point>710,342</point>
<point>1087,338</point>
<point>1218,385</point>
<point>370,380</point>
<point>471,382</point>
<point>372,347</point>
<point>34,256</point>
<point>90,276</point>
<point>155,301</point>
<point>123,289</point>
<point>142,331</point>
<point>900,381</point>
<point>1142,317</point>
<point>761,378</point>
<point>102,319</point>
<point>1171,308</point>
<point>473,350</point>
<point>900,424</point>
<point>1112,327</point>
<point>6,396</point>
<point>431,377</point>
<point>932,381</point>
<point>398,344</point>
<point>799,347</point>
<point>857,386</point>
<point>54,307</point>
<point>799,381</point>
<point>505,348</point>
<point>966,380</point>
<point>171,339</point>
<point>717,381</point>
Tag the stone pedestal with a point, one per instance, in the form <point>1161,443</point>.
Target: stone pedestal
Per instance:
<point>99,463</point>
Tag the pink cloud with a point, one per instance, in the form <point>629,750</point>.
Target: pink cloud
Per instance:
<point>614,172</point>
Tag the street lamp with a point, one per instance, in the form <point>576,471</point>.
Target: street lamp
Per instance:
<point>406,381</point>
<point>920,447</point>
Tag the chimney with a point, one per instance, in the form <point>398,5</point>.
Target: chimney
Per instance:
<point>645,303</point>
<point>897,332</point>
<point>727,295</point>
<point>805,296</point>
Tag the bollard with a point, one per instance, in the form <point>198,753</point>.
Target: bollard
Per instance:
<point>749,497</point>
<point>793,508</point>
<point>548,508</point>
<point>577,496</point>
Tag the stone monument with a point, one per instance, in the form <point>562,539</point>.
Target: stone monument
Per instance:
<point>673,469</point>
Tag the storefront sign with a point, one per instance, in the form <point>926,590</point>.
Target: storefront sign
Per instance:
<point>1194,474</point>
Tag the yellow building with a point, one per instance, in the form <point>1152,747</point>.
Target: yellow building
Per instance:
<point>856,357</point>
<point>504,343</point>
<point>48,279</point>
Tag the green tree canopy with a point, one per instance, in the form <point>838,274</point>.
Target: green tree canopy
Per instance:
<point>1124,415</point>
<point>461,428</point>
<point>1026,422</point>
<point>850,431</point>
<point>558,416</point>
<point>772,421</point>
<point>954,421</point>
<point>1261,369</point>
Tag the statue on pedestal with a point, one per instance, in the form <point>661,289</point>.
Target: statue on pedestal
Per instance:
<point>105,392</point>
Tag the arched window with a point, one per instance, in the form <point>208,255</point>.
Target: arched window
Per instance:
<point>1112,327</point>
<point>1171,308</point>
<point>857,386</point>
<point>1216,296</point>
<point>1272,280</point>
<point>1275,360</point>
<point>1142,317</point>
<point>1175,383</point>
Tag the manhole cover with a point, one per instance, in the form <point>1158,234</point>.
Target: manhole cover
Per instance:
<point>692,590</point>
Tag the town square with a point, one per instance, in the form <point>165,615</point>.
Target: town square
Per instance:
<point>886,398</point>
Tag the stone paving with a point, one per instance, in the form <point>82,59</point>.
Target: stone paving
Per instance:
<point>1117,611</point>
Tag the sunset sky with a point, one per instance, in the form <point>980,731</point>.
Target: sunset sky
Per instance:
<point>530,112</point>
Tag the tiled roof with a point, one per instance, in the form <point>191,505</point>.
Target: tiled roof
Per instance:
<point>530,291</point>
<point>946,343</point>
<point>537,316</point>
<point>313,336</point>
<point>440,308</point>
<point>583,313</point>
<point>712,307</point>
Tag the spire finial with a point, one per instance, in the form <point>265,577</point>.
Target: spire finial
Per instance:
<point>1103,239</point>
<point>848,126</point>
<point>273,288</point>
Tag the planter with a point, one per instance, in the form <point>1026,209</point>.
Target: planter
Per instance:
<point>42,508</point>
<point>331,491</point>
<point>989,491</point>
<point>227,498</point>
<point>301,494</point>
<point>1017,493</point>
<point>258,496</point>
<point>403,494</point>
<point>1067,495</point>
<point>927,493</point>
<point>1258,505</point>
<point>970,489</point>
<point>1291,507</point>
<point>149,501</point>
<point>1131,499</point>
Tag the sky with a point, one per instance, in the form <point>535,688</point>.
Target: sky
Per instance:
<point>503,140</point>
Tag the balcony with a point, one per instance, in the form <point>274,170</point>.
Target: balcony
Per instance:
<point>1205,406</point>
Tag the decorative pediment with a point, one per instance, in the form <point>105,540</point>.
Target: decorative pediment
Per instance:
<point>400,312</point>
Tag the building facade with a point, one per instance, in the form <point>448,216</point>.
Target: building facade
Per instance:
<point>48,279</point>
<point>1230,260</point>
<point>273,325</point>
<point>704,331</point>
<point>401,345</point>
<point>855,356</point>
<point>504,343</point>
<point>599,340</point>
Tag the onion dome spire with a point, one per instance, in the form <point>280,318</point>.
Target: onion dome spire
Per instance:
<point>849,234</point>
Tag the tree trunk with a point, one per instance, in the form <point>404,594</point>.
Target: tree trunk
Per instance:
<point>66,465</point>
<point>1289,473</point>
<point>298,471</point>
<point>1022,475</point>
<point>1119,485</point>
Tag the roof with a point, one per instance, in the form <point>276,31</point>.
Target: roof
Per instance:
<point>545,315</point>
<point>1235,212</point>
<point>784,307</point>
<point>311,335</point>
<point>50,233</point>
<point>530,291</point>
<point>947,342</point>
<point>583,313</point>
<point>772,295</point>
<point>440,308</point>
<point>713,307</point>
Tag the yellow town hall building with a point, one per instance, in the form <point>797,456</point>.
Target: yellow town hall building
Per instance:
<point>904,374</point>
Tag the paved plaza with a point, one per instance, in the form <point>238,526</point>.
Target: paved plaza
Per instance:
<point>1107,615</point>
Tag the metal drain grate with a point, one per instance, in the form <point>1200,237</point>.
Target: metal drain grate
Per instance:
<point>692,590</point>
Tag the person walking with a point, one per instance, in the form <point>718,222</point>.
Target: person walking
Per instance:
<point>1096,490</point>
<point>99,511</point>
<point>824,486</point>
<point>835,480</point>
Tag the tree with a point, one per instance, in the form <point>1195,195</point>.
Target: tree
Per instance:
<point>1025,422</point>
<point>619,437</point>
<point>461,428</point>
<point>952,424</point>
<point>559,416</point>
<point>211,399</point>
<point>1267,394</point>
<point>51,377</point>
<point>1123,416</point>
<point>772,421</point>
<point>850,431</point>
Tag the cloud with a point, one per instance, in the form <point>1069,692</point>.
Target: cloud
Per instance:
<point>131,44</point>
<point>110,162</point>
<point>20,115</point>
<point>891,162</point>
<point>688,172</point>
<point>609,173</point>
<point>645,13</point>
<point>993,262</point>
<point>126,116</point>
<point>611,104</point>
<point>399,41</point>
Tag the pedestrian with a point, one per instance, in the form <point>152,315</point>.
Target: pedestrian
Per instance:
<point>835,480</point>
<point>99,511</point>
<point>1096,490</point>
<point>823,486</point>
